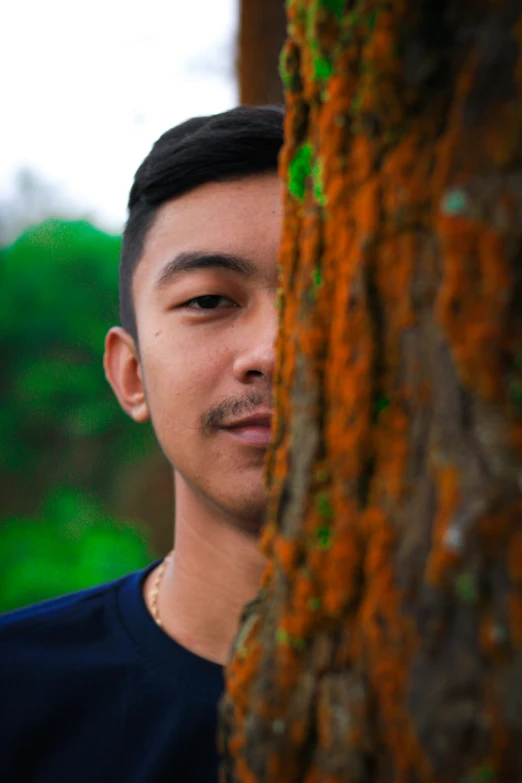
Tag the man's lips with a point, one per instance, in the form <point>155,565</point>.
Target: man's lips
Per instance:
<point>253,429</point>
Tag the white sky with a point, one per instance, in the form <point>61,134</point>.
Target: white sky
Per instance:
<point>87,87</point>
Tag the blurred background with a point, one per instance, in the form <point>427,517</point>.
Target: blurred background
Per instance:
<point>85,494</point>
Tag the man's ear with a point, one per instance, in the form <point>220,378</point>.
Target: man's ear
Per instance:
<point>123,371</point>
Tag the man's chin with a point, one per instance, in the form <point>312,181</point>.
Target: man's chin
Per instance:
<point>242,510</point>
<point>251,527</point>
<point>249,517</point>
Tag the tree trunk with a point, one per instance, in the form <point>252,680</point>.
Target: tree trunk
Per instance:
<point>261,36</point>
<point>386,643</point>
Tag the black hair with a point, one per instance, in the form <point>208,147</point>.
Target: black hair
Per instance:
<point>236,143</point>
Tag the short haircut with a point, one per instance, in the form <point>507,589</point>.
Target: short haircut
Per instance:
<point>235,144</point>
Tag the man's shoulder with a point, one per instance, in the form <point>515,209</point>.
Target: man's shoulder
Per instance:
<point>54,610</point>
<point>51,610</point>
<point>75,616</point>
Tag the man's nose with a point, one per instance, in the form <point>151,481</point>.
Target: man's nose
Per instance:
<point>257,355</point>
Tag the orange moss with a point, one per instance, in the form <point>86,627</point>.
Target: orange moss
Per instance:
<point>305,589</point>
<point>444,555</point>
<point>292,628</point>
<point>236,744</point>
<point>240,673</point>
<point>397,191</point>
<point>244,772</point>
<point>390,641</point>
<point>392,448</point>
<point>286,552</point>
<point>268,574</point>
<point>342,580</point>
<point>473,322</point>
<point>492,638</point>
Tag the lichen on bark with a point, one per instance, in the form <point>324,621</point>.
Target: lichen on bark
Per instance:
<point>386,643</point>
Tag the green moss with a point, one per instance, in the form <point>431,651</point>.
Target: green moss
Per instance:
<point>283,637</point>
<point>352,19</point>
<point>324,506</point>
<point>466,587</point>
<point>357,102</point>
<point>371,19</point>
<point>314,604</point>
<point>299,169</point>
<point>322,63</point>
<point>299,14</point>
<point>324,536</point>
<point>279,298</point>
<point>334,7</point>
<point>322,475</point>
<point>286,76</point>
<point>298,643</point>
<point>310,31</point>
<point>317,281</point>
<point>317,178</point>
<point>455,202</point>
<point>381,403</point>
<point>482,774</point>
<point>323,68</point>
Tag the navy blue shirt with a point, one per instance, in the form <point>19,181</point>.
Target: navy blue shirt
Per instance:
<point>91,690</point>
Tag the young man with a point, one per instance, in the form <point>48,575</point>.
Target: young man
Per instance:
<point>120,683</point>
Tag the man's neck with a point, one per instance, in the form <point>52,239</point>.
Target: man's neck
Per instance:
<point>215,570</point>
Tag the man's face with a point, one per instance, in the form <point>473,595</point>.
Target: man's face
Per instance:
<point>204,295</point>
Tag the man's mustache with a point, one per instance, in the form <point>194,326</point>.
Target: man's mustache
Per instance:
<point>232,407</point>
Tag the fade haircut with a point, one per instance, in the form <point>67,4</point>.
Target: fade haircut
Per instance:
<point>243,141</point>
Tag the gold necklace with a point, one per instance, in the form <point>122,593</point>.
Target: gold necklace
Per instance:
<point>154,590</point>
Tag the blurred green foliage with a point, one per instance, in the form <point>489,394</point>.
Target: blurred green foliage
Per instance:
<point>64,441</point>
<point>70,544</point>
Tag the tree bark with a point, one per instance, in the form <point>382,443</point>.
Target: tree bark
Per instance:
<point>262,26</point>
<point>386,642</point>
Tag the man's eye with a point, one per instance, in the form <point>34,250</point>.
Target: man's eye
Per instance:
<point>209,302</point>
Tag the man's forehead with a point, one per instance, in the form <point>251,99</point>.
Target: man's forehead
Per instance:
<point>239,220</point>
<point>199,260</point>
<point>263,191</point>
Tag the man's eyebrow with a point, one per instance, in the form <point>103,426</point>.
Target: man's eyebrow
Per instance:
<point>192,261</point>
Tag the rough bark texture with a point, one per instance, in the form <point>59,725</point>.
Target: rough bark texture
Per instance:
<point>386,644</point>
<point>262,30</point>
